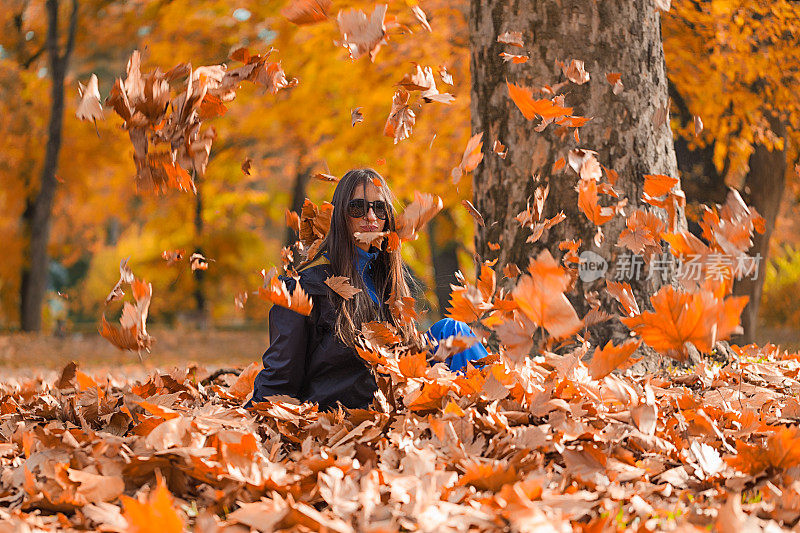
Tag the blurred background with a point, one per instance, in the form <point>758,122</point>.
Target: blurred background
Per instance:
<point>732,64</point>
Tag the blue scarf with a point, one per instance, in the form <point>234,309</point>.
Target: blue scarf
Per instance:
<point>363,262</point>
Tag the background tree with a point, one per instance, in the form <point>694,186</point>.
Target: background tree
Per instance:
<point>744,94</point>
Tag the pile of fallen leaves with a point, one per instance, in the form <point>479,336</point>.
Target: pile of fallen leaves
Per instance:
<point>545,443</point>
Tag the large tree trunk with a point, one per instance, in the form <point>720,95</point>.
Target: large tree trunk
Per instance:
<point>200,297</point>
<point>763,190</point>
<point>622,36</point>
<point>37,217</point>
<point>444,256</point>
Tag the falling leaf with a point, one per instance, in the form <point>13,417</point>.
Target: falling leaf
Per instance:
<point>700,318</point>
<point>325,177</point>
<point>246,166</point>
<point>575,72</point>
<point>473,154</point>
<point>307,11</point>
<point>341,286</point>
<point>401,117</point>
<point>530,108</point>
<point>89,107</point>
<point>698,125</point>
<point>663,5</point>
<point>356,116</point>
<point>198,262</point>
<point>293,221</point>
<point>615,79</point>
<point>514,38</point>
<point>417,214</point>
<point>473,212</point>
<point>423,80</point>
<point>658,184</point>
<point>419,14</point>
<point>516,59</point>
<point>172,257</point>
<point>500,149</point>
<point>661,115</point>
<point>276,292</point>
<point>540,295</point>
<point>362,34</point>
<point>446,76</point>
<point>125,276</point>
<point>588,203</point>
<point>132,333</point>
<point>240,299</point>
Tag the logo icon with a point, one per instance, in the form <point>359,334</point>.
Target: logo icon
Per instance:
<point>592,266</point>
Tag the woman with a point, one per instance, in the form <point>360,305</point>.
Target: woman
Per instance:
<point>313,358</point>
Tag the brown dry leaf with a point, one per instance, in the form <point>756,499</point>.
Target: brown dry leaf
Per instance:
<point>698,125</point>
<point>277,293</point>
<point>420,15</point>
<point>243,385</point>
<point>362,34</point>
<point>615,79</point>
<point>356,116</point>
<point>516,59</point>
<point>307,11</point>
<point>246,164</point>
<point>623,293</point>
<point>514,38</point>
<point>401,117</point>
<point>341,286</point>
<point>473,212</point>
<point>325,177</point>
<point>575,72</point>
<point>500,149</point>
<point>417,214</point>
<point>125,276</point>
<point>198,262</point>
<point>473,154</point>
<point>89,107</point>
<point>661,115</point>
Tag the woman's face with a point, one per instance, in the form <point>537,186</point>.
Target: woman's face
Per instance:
<point>369,221</point>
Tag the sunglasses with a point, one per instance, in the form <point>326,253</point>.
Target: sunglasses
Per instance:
<point>359,208</point>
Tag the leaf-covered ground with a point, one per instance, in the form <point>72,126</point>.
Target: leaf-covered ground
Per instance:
<point>534,446</point>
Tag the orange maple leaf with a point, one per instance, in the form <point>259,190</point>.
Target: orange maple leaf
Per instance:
<point>658,184</point>
<point>529,107</point>
<point>156,514</point>
<point>279,294</point>
<point>611,356</point>
<point>540,296</point>
<point>701,318</point>
<point>587,202</point>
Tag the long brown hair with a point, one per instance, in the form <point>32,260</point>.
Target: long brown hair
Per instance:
<point>388,271</point>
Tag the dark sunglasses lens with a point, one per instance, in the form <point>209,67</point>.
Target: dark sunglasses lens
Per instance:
<point>380,210</point>
<point>356,208</point>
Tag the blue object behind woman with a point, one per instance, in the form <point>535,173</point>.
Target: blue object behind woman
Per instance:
<point>447,327</point>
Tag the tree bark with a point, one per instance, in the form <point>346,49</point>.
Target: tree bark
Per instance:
<point>38,217</point>
<point>763,189</point>
<point>621,36</point>
<point>444,255</point>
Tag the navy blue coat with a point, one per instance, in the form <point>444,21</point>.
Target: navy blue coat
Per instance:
<point>305,359</point>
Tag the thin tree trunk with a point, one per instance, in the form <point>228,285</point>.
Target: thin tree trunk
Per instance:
<point>763,189</point>
<point>621,36</point>
<point>444,255</point>
<point>298,198</point>
<point>200,299</point>
<point>38,218</point>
